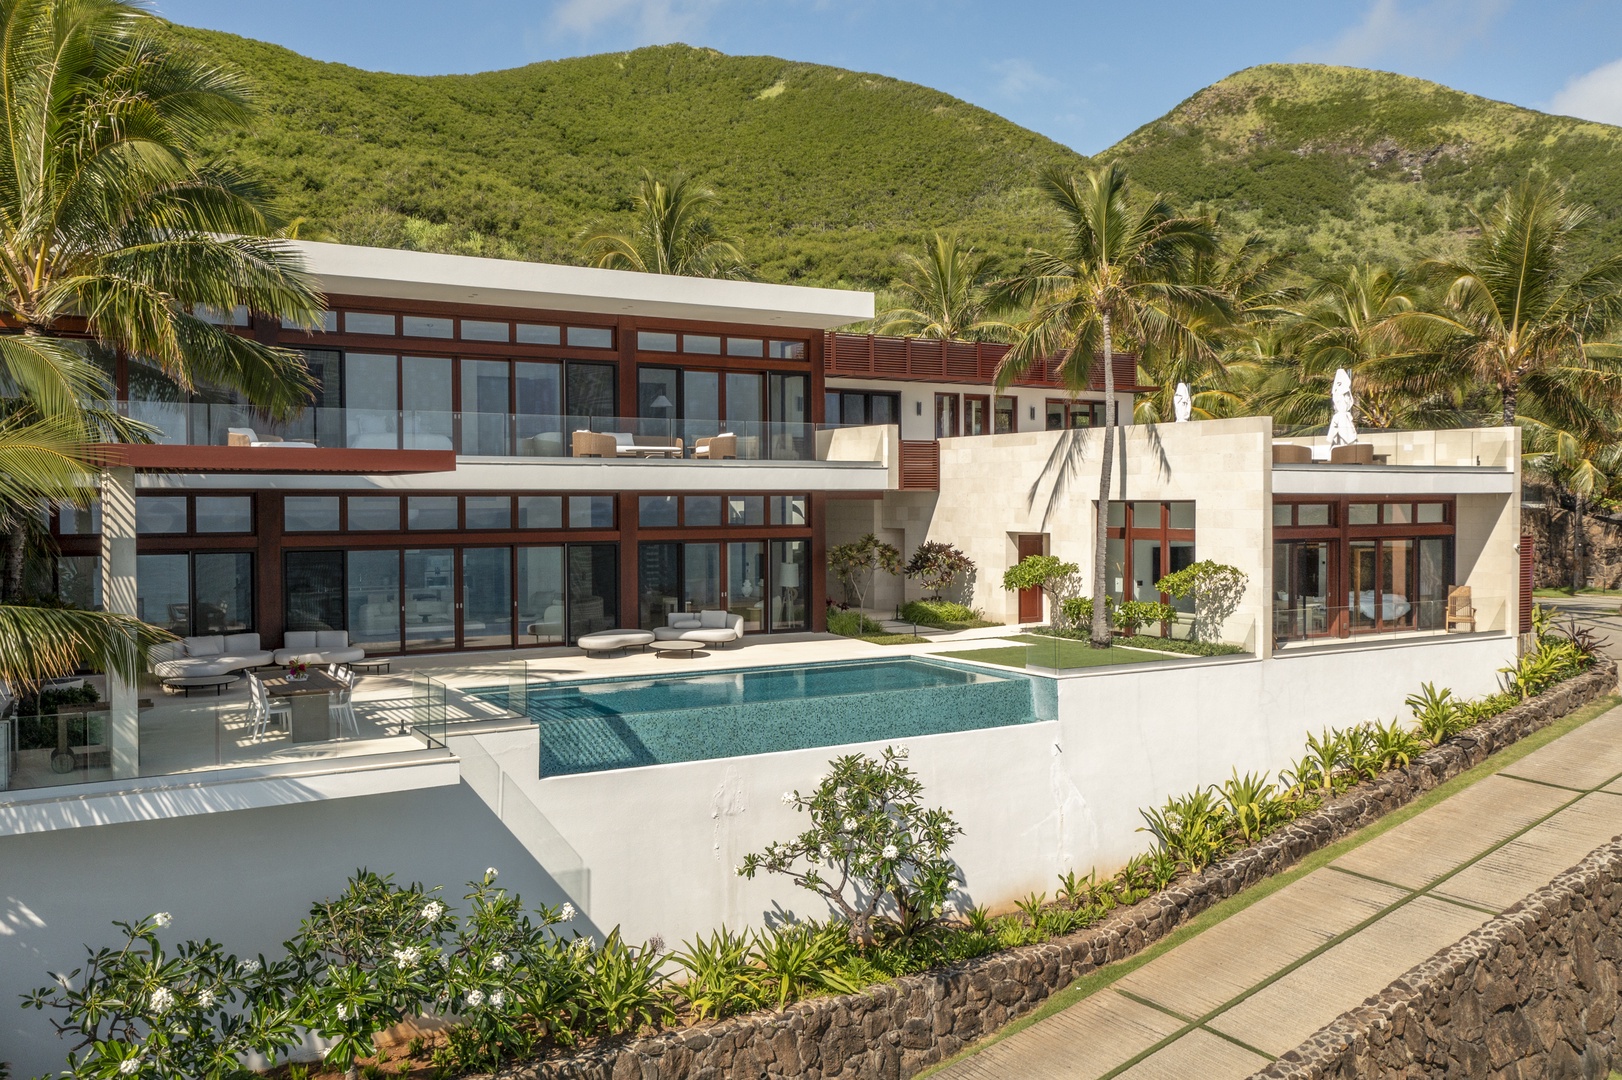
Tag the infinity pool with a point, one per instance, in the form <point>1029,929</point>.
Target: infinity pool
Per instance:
<point>600,724</point>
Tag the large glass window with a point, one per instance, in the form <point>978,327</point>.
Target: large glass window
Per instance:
<point>160,514</point>
<point>163,591</point>
<point>540,511</point>
<point>489,512</point>
<point>790,583</point>
<point>701,405</point>
<point>542,594</point>
<point>744,411</point>
<point>593,588</point>
<point>431,513</point>
<point>746,583</point>
<point>486,405</point>
<point>425,400</point>
<point>373,594</point>
<point>313,590</point>
<point>1301,576</point>
<point>656,511</point>
<point>428,586</point>
<point>204,593</point>
<point>659,583</point>
<point>591,389</point>
<point>1006,418</point>
<point>746,510</point>
<point>369,513</point>
<point>976,414</point>
<point>591,511</point>
<point>487,597</point>
<point>372,401</point>
<point>538,403</point>
<point>701,577</point>
<point>1146,541</point>
<point>78,581</point>
<point>946,425</point>
<point>701,511</point>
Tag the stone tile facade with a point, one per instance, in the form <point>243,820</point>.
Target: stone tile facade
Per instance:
<point>897,1029</point>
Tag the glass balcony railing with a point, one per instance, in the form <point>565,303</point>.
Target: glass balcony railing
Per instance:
<point>481,434</point>
<point>1311,620</point>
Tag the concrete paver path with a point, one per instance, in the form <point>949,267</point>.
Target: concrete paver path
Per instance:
<point>1228,1001</point>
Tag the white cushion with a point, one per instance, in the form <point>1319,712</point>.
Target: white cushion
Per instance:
<point>714,620</point>
<point>241,643</point>
<point>332,639</point>
<point>165,651</point>
<point>298,639</point>
<point>210,645</point>
<point>623,438</point>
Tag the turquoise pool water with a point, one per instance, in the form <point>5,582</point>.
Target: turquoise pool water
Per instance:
<point>600,724</point>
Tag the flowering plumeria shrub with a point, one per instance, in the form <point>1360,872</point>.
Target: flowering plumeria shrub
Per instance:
<point>139,1010</point>
<point>510,977</point>
<point>873,850</point>
<point>367,960</point>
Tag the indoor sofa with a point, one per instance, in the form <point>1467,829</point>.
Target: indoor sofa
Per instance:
<point>212,654</point>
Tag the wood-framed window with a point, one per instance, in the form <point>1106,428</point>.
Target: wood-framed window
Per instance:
<point>1144,542</point>
<point>947,424</point>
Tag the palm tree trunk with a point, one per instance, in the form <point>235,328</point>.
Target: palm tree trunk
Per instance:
<point>16,550</point>
<point>1577,546</point>
<point>1510,393</point>
<point>1100,629</point>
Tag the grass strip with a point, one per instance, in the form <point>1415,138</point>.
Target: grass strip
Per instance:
<point>1095,981</point>
<point>1060,653</point>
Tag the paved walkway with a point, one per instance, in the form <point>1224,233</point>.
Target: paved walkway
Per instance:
<point>1225,1003</point>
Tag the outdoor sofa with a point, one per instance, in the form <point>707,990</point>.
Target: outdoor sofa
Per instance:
<point>712,627</point>
<point>211,654</point>
<point>318,647</point>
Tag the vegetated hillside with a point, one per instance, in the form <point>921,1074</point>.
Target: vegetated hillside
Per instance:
<point>823,173</point>
<point>826,175</point>
<point>1341,163</point>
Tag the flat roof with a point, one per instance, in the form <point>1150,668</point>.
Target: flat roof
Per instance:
<point>465,279</point>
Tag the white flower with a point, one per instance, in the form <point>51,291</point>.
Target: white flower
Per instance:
<point>475,998</point>
<point>162,919</point>
<point>248,967</point>
<point>498,961</point>
<point>490,872</point>
<point>901,751</point>
<point>890,851</point>
<point>128,1066</point>
<point>738,870</point>
<point>498,999</point>
<point>433,910</point>
<point>567,912</point>
<point>788,798</point>
<point>162,1000</point>
<point>206,999</point>
<point>656,945</point>
<point>406,957</point>
<point>343,1012</point>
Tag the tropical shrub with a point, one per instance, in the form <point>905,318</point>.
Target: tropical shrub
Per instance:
<point>936,566</point>
<point>1216,589</point>
<point>1251,803</point>
<point>1191,828</point>
<point>1437,716</point>
<point>852,624</point>
<point>624,989</point>
<point>873,850</point>
<point>795,958</point>
<point>721,978</point>
<point>938,613</point>
<point>1133,614</point>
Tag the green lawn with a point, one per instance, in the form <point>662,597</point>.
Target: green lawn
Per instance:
<point>1058,653</point>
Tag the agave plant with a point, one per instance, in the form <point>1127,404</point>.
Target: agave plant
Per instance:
<point>1251,803</point>
<point>721,977</point>
<point>1393,746</point>
<point>1436,714</point>
<point>1192,828</point>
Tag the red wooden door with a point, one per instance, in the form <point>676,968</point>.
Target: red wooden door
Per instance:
<point>1030,600</point>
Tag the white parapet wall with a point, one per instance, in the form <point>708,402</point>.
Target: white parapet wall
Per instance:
<point>658,844</point>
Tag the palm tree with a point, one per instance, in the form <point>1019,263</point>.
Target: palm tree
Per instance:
<point>1520,314</point>
<point>1585,462</point>
<point>1120,274</point>
<point>944,294</point>
<point>1353,320</point>
<point>116,230</point>
<point>673,233</point>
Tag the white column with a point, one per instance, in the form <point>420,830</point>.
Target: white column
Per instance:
<point>118,596</point>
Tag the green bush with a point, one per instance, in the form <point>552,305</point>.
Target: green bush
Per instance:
<point>941,614</point>
<point>1179,645</point>
<point>852,624</point>
<point>46,702</point>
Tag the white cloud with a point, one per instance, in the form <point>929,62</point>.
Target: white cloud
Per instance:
<point>1393,30</point>
<point>1596,95</point>
<point>632,22</point>
<point>1020,78</point>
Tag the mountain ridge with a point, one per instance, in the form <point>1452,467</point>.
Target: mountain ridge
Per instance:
<point>827,175</point>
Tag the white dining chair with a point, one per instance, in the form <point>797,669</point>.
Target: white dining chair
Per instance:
<point>261,710</point>
<point>341,706</point>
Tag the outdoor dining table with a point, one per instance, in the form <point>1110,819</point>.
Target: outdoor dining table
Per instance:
<point>312,718</point>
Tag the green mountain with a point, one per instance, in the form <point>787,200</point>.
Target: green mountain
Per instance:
<point>826,174</point>
<point>1341,163</point>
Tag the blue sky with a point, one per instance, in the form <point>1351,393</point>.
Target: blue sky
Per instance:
<point>1082,72</point>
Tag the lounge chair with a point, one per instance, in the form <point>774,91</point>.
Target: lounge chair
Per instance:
<point>716,447</point>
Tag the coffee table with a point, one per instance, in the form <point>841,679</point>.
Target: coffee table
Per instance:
<point>201,682</point>
<point>679,647</point>
<point>371,667</point>
<point>312,718</point>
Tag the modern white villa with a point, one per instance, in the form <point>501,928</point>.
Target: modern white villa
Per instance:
<point>507,458</point>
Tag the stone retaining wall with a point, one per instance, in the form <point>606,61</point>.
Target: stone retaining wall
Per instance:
<point>1532,994</point>
<point>898,1028</point>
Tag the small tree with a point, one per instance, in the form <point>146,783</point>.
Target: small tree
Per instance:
<point>872,850</point>
<point>1059,580</point>
<point>857,564</point>
<point>1216,589</point>
<point>936,566</point>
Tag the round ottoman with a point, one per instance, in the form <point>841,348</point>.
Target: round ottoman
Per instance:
<point>614,640</point>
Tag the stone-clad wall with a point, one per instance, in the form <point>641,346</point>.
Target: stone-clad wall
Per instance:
<point>896,1029</point>
<point>1532,994</point>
